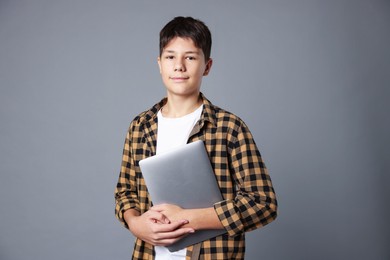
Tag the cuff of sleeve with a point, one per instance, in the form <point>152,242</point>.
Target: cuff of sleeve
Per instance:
<point>229,216</point>
<point>120,210</point>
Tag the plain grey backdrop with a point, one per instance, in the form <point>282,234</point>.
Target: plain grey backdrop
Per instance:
<point>310,78</point>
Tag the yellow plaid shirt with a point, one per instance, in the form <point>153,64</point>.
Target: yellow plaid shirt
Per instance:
<point>249,198</point>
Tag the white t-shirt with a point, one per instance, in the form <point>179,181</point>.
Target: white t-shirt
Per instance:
<point>173,132</point>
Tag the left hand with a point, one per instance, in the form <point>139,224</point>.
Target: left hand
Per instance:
<point>198,219</point>
<point>172,212</point>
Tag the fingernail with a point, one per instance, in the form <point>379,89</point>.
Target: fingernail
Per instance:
<point>191,231</point>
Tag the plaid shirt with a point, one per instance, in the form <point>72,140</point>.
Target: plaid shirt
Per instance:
<point>249,198</point>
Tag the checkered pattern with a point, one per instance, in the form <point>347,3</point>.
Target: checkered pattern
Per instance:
<point>249,198</point>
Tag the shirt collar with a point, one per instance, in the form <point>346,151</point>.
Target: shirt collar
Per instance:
<point>208,113</point>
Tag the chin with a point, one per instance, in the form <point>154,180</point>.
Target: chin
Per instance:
<point>183,92</point>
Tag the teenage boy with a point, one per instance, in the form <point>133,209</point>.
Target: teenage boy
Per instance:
<point>184,116</point>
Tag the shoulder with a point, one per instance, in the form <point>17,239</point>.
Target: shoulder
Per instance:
<point>220,117</point>
<point>228,124</point>
<point>136,122</point>
<point>149,115</point>
<point>225,118</point>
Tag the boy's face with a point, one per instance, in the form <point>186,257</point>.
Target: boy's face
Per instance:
<point>182,66</point>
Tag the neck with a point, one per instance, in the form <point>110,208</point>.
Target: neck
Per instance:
<point>180,106</point>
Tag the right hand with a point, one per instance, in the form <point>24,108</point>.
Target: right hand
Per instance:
<point>155,228</point>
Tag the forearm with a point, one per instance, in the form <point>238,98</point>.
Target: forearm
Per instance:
<point>129,215</point>
<point>246,212</point>
<point>205,218</point>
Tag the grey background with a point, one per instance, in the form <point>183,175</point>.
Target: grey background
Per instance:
<point>310,78</point>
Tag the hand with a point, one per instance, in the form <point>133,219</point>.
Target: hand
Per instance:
<point>170,211</point>
<point>198,219</point>
<point>155,228</point>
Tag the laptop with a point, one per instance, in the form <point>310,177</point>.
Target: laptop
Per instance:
<point>183,176</point>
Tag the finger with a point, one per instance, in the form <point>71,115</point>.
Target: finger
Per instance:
<point>169,227</point>
<point>156,216</point>
<point>173,236</point>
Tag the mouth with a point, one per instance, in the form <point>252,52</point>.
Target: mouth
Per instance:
<point>180,78</point>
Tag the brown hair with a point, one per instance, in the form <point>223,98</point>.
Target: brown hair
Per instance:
<point>187,27</point>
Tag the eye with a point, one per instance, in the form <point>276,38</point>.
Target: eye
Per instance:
<point>191,58</point>
<point>169,57</point>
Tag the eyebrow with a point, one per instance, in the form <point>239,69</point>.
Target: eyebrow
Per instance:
<point>186,52</point>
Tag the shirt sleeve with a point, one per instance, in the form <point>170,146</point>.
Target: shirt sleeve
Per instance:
<point>255,204</point>
<point>126,189</point>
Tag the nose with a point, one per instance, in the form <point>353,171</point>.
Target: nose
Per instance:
<point>179,65</point>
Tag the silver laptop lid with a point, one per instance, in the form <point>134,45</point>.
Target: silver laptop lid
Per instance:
<point>184,177</point>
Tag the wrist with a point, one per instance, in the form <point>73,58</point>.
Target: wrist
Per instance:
<point>205,218</point>
<point>129,217</point>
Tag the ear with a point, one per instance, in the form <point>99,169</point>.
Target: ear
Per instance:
<point>159,63</point>
<point>208,67</point>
